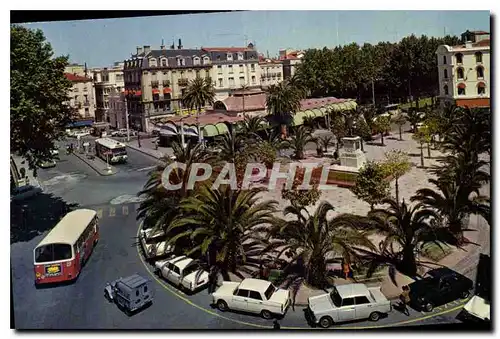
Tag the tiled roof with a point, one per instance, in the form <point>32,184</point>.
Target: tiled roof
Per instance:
<point>75,78</point>
<point>206,119</point>
<point>480,32</point>
<point>227,49</point>
<point>172,53</point>
<point>482,43</point>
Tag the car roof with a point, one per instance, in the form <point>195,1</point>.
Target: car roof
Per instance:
<point>132,282</point>
<point>182,262</point>
<point>442,272</point>
<point>352,290</point>
<point>255,285</point>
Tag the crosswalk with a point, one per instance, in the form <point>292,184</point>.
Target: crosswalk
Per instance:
<point>114,211</point>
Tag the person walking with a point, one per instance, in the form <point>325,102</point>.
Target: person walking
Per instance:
<point>405,300</point>
<point>276,325</point>
<point>212,280</point>
<point>346,269</point>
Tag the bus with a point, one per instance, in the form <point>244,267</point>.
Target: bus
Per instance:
<point>110,150</point>
<point>61,255</point>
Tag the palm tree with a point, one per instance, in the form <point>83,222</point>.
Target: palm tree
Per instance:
<point>252,125</point>
<point>299,140</point>
<point>224,226</point>
<point>311,241</point>
<point>243,89</point>
<point>230,145</point>
<point>325,141</point>
<point>405,230</point>
<point>199,94</point>
<point>282,101</point>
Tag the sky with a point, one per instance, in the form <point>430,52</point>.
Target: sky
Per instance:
<point>99,43</point>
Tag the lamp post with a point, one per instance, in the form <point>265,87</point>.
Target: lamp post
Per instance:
<point>126,120</point>
<point>182,132</point>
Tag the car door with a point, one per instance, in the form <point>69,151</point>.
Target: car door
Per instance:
<point>363,307</point>
<point>254,303</point>
<point>348,310</point>
<point>168,272</point>
<point>240,300</point>
<point>445,292</point>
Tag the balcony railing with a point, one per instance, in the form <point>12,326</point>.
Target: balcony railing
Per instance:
<point>166,83</point>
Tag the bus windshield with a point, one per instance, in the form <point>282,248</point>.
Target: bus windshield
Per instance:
<point>119,151</point>
<point>53,252</point>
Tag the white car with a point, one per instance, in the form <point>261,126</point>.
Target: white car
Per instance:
<point>253,296</point>
<point>154,243</point>
<point>183,272</point>
<point>346,303</point>
<point>54,151</point>
<point>478,307</point>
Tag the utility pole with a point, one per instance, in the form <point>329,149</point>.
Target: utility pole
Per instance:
<point>373,92</point>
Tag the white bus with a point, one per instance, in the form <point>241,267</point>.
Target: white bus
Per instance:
<point>111,150</point>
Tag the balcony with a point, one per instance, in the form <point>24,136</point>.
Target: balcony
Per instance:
<point>183,82</point>
<point>166,83</point>
<point>154,84</point>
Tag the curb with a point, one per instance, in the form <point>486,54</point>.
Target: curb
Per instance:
<point>91,165</point>
<point>143,152</point>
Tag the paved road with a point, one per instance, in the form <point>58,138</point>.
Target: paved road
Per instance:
<point>82,305</point>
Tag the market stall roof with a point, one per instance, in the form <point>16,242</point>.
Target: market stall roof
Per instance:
<point>222,128</point>
<point>205,119</point>
<point>210,131</point>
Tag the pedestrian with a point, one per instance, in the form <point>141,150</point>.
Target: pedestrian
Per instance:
<point>276,325</point>
<point>346,269</point>
<point>405,300</point>
<point>212,280</point>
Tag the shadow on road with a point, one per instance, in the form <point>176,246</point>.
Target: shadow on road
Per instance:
<point>31,217</point>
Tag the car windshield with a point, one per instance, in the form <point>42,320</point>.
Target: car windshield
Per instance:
<point>336,299</point>
<point>269,292</point>
<point>190,269</point>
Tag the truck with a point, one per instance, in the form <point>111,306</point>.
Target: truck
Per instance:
<point>130,294</point>
<point>346,303</point>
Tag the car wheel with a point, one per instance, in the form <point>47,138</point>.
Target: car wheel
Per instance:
<point>222,305</point>
<point>375,316</point>
<point>266,314</point>
<point>325,322</point>
<point>428,307</point>
<point>464,294</point>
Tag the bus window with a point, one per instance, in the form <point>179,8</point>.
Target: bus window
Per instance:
<point>119,151</point>
<point>53,252</point>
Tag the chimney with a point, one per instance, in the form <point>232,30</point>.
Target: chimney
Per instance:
<point>468,44</point>
<point>162,47</point>
<point>172,46</point>
<point>147,49</point>
<point>180,44</point>
<point>139,50</point>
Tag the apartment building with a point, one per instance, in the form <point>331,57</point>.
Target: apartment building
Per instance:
<point>117,111</point>
<point>290,59</point>
<point>155,81</point>
<point>464,71</point>
<point>271,72</point>
<point>81,94</point>
<point>233,68</point>
<point>105,80</point>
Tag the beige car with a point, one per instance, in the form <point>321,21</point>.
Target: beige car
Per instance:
<point>154,244</point>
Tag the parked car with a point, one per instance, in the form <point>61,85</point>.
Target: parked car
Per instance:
<point>183,272</point>
<point>54,151</point>
<point>154,243</point>
<point>439,287</point>
<point>24,192</point>
<point>346,303</point>
<point>131,293</point>
<point>47,164</point>
<point>254,296</point>
<point>115,134</point>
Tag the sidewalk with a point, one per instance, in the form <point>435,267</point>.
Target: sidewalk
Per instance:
<point>148,148</point>
<point>96,164</point>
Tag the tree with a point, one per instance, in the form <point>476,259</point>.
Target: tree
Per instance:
<point>420,137</point>
<point>311,241</point>
<point>39,110</point>
<point>414,118</point>
<point>400,120</point>
<point>199,94</point>
<point>381,125</point>
<point>405,230</point>
<point>325,141</point>
<point>299,140</point>
<point>397,163</point>
<point>225,226</point>
<point>300,197</point>
<point>363,130</point>
<point>230,144</point>
<point>371,183</point>
<point>282,101</point>
<point>252,125</point>
<point>338,128</point>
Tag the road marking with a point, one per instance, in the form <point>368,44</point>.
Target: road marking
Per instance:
<point>125,210</point>
<point>146,168</point>
<point>211,312</point>
<point>99,213</point>
<point>112,211</point>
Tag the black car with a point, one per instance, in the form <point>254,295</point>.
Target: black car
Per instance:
<point>439,287</point>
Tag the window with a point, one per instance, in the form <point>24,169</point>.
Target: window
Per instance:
<point>241,68</point>
<point>446,91</point>
<point>207,74</point>
<point>480,72</point>
<point>229,56</point>
<point>242,81</point>
<point>255,295</point>
<point>348,302</point>
<point>86,112</point>
<point>206,60</point>
<point>479,57</point>
<point>361,300</point>
<point>219,69</point>
<point>220,82</point>
<point>197,74</point>
<point>177,270</point>
<point>460,73</point>
<point>279,75</point>
<point>242,293</point>
<point>459,58</point>
<point>446,74</point>
<point>253,79</point>
<point>252,67</point>
<point>481,88</point>
<point>231,82</point>
<point>145,288</point>
<point>461,89</point>
<point>444,60</point>
<point>53,252</point>
<point>164,62</point>
<point>240,56</point>
<point>218,57</point>
<point>269,292</point>
<point>196,61</point>
<point>230,69</point>
<point>180,61</point>
<point>137,293</point>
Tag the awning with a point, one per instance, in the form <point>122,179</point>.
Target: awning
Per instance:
<point>167,90</point>
<point>138,93</point>
<point>481,84</point>
<point>190,131</point>
<point>81,123</point>
<point>461,85</point>
<point>168,129</point>
<point>318,113</point>
<point>125,92</point>
<point>298,118</point>
<point>222,128</point>
<point>210,131</point>
<point>156,91</point>
<point>309,113</point>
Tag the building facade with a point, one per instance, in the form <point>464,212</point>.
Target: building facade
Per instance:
<point>233,68</point>
<point>290,59</point>
<point>117,109</point>
<point>81,94</point>
<point>105,80</point>
<point>464,71</point>
<point>271,72</point>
